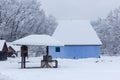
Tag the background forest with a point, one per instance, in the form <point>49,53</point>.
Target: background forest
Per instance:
<point>19,18</point>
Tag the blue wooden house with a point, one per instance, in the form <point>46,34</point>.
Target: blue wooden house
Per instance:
<point>79,38</point>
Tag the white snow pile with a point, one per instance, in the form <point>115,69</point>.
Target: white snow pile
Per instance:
<point>105,68</point>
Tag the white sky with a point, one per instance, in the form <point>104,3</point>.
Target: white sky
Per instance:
<point>79,9</point>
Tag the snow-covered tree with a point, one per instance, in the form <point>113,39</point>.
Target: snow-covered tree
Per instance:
<point>19,18</point>
<point>109,32</point>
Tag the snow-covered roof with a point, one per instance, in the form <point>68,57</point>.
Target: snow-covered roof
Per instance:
<point>2,44</point>
<point>16,48</point>
<point>76,32</point>
<point>38,40</point>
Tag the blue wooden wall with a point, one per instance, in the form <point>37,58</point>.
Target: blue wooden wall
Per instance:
<point>76,52</point>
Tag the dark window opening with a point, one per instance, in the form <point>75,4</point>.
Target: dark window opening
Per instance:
<point>57,49</point>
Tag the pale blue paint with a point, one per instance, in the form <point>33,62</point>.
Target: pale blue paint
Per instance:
<point>76,52</point>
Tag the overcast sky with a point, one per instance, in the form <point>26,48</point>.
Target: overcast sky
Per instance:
<point>79,9</point>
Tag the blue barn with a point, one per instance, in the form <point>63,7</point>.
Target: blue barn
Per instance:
<point>79,38</point>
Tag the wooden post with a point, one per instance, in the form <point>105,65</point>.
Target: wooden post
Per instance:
<point>47,52</point>
<point>46,63</point>
<point>24,54</point>
<point>21,62</point>
<point>24,62</point>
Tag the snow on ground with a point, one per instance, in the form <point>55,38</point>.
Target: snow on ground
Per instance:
<point>3,77</point>
<point>105,68</point>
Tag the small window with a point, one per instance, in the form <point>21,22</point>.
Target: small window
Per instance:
<point>57,49</point>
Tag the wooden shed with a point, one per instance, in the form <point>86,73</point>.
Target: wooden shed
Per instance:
<point>3,50</point>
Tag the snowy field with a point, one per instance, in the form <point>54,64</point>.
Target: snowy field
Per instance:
<point>105,68</point>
